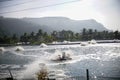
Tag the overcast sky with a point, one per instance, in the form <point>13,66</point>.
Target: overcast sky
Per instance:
<point>106,12</point>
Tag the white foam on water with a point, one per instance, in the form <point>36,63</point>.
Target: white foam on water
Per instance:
<point>58,53</point>
<point>30,71</point>
<point>19,48</point>
<point>2,50</point>
<point>43,45</point>
<point>110,51</point>
<point>112,54</point>
<point>4,66</point>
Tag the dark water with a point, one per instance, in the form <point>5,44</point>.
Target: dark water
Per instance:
<point>102,60</point>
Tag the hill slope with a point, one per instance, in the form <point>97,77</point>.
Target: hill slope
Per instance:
<point>48,24</point>
<point>60,23</point>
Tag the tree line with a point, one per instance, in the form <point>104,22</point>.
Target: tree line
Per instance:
<point>44,37</point>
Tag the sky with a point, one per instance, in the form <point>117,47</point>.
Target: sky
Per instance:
<point>106,12</point>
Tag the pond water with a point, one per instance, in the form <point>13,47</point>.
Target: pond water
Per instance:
<point>102,60</point>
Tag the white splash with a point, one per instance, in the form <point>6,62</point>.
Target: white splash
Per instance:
<point>31,71</point>
<point>2,49</point>
<point>83,43</point>
<point>19,48</point>
<point>42,45</point>
<point>92,42</point>
<point>59,53</point>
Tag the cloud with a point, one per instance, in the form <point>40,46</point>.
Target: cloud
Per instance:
<point>4,0</point>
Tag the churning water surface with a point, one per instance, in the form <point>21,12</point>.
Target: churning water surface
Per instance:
<point>102,60</point>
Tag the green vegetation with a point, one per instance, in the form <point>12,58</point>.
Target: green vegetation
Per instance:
<point>44,37</point>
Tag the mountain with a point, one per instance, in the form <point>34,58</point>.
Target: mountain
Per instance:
<point>60,23</point>
<point>18,26</point>
<point>48,24</point>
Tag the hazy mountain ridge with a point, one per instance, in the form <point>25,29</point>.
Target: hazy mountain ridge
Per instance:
<point>17,26</point>
<point>60,23</point>
<point>48,24</point>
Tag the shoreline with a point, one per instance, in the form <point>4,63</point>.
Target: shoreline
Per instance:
<point>62,43</point>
